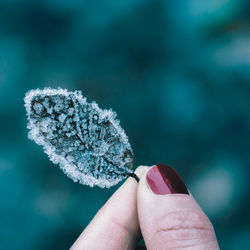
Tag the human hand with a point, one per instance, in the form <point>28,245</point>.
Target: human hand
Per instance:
<point>159,208</point>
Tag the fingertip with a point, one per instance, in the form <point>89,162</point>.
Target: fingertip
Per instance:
<point>143,188</point>
<point>141,170</point>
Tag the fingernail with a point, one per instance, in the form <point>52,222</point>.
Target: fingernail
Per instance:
<point>162,179</point>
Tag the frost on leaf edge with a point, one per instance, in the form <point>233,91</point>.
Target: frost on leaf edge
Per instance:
<point>69,169</point>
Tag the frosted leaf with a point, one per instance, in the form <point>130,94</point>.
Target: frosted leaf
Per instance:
<point>87,142</point>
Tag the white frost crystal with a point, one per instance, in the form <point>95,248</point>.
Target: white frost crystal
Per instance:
<point>87,142</point>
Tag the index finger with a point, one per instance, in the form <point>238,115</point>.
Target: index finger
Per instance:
<point>116,225</point>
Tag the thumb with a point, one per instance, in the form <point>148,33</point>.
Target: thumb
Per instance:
<point>169,217</point>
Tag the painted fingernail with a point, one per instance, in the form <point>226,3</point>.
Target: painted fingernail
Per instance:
<point>162,179</point>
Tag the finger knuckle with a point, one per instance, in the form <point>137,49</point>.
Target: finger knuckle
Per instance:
<point>185,228</point>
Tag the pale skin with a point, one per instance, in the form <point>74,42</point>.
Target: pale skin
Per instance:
<point>172,221</point>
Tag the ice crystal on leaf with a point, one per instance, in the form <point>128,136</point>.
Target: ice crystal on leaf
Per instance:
<point>87,142</point>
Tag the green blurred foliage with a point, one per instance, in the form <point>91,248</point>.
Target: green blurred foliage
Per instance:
<point>176,72</point>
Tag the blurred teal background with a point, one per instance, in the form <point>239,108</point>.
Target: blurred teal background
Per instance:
<point>176,72</point>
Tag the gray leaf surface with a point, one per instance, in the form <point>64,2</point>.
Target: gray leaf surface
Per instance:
<point>87,142</point>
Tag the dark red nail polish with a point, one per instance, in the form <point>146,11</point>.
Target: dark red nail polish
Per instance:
<point>163,179</point>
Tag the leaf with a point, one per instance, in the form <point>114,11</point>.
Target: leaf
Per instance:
<point>87,142</point>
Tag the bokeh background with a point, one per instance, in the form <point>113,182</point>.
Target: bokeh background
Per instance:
<point>176,72</point>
